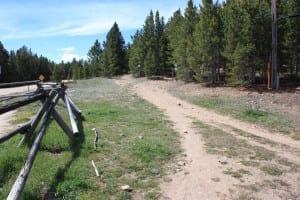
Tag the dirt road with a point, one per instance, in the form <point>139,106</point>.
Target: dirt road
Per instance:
<point>6,117</point>
<point>200,175</point>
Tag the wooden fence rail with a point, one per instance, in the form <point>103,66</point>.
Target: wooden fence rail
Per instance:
<point>49,94</point>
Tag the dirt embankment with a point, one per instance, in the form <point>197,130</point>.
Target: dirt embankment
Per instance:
<point>201,175</point>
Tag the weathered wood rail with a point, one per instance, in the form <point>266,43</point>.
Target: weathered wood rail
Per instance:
<point>49,94</point>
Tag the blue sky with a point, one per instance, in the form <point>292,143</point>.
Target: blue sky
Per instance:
<point>63,29</point>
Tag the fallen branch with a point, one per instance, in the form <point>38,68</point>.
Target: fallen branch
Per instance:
<point>96,138</point>
<point>96,170</point>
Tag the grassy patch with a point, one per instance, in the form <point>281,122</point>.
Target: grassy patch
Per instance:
<point>256,138</point>
<point>237,173</point>
<point>251,156</point>
<point>250,163</point>
<point>211,103</point>
<point>220,142</point>
<point>239,108</point>
<point>246,197</point>
<point>296,135</point>
<point>272,170</point>
<point>254,115</point>
<point>135,141</point>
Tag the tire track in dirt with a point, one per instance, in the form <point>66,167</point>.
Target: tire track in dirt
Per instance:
<point>197,178</point>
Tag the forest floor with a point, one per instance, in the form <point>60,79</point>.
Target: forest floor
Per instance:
<point>224,157</point>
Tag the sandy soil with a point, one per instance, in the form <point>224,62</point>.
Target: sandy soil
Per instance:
<point>7,117</point>
<point>199,175</point>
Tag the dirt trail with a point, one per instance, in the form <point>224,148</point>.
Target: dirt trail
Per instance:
<point>201,176</point>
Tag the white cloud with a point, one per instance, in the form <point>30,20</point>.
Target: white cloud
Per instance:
<point>72,18</point>
<point>68,54</point>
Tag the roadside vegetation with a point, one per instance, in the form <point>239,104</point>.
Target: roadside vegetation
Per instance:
<point>243,108</point>
<point>135,144</point>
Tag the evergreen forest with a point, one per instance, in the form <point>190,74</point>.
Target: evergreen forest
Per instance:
<point>228,43</point>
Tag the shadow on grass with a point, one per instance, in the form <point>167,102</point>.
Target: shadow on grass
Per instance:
<point>75,146</point>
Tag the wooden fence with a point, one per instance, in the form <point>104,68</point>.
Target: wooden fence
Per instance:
<point>49,94</point>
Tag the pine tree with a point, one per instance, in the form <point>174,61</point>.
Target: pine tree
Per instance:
<point>44,67</point>
<point>94,59</point>
<point>114,57</point>
<point>209,44</point>
<point>5,73</point>
<point>58,72</point>
<point>12,67</point>
<point>161,49</point>
<point>247,44</point>
<point>137,55</point>
<point>149,39</point>
<point>26,65</point>
<point>191,17</point>
<point>290,40</point>
<point>176,37</point>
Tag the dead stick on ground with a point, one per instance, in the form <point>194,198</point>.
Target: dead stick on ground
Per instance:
<point>96,170</point>
<point>96,138</point>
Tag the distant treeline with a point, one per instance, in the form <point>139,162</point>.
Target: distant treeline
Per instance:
<point>229,42</point>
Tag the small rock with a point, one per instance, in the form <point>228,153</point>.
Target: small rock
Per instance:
<point>141,137</point>
<point>179,104</point>
<point>155,171</point>
<point>185,131</point>
<point>223,161</point>
<point>178,170</point>
<point>216,179</point>
<point>122,135</point>
<point>167,180</point>
<point>181,163</point>
<point>126,188</point>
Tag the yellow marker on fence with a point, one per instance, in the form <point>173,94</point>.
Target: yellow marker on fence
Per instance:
<point>41,77</point>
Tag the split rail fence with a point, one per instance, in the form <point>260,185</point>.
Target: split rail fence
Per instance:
<point>49,95</point>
